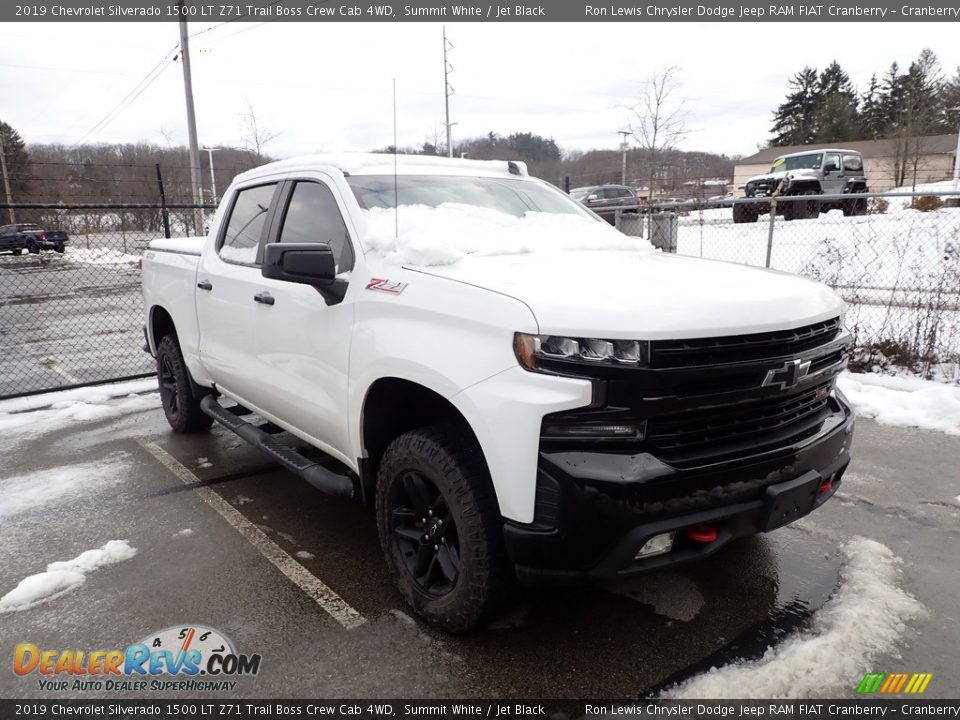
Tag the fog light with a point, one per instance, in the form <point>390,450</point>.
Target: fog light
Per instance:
<point>657,545</point>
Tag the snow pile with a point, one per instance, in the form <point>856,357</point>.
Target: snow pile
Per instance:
<point>23,493</point>
<point>62,577</point>
<point>904,401</point>
<point>862,621</point>
<point>99,256</point>
<point>42,413</point>
<point>944,186</point>
<point>448,233</point>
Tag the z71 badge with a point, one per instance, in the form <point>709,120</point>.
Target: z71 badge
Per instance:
<point>387,286</point>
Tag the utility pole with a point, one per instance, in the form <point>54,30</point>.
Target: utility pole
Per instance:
<point>624,146</point>
<point>6,180</point>
<point>447,91</point>
<point>191,121</point>
<point>213,178</point>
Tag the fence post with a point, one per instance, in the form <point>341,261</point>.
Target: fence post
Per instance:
<point>163,204</point>
<point>566,184</point>
<point>773,216</point>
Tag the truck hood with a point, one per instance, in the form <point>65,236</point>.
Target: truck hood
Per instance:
<point>778,175</point>
<point>647,295</point>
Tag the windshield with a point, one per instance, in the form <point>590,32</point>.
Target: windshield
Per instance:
<point>513,197</point>
<point>813,161</point>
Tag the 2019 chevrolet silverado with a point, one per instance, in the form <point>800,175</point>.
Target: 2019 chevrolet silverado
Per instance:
<point>519,390</point>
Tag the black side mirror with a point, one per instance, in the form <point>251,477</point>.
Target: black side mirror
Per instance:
<point>307,263</point>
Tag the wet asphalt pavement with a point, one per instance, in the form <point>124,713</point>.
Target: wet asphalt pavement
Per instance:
<point>64,322</point>
<point>621,640</point>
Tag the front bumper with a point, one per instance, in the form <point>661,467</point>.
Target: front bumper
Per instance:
<point>594,511</point>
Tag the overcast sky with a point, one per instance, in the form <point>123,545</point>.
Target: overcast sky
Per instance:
<point>327,87</point>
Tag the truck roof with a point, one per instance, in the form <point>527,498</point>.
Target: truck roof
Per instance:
<point>383,164</point>
<point>818,150</point>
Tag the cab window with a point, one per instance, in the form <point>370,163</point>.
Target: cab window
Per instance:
<point>313,216</point>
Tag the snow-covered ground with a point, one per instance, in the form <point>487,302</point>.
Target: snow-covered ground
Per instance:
<point>900,270</point>
<point>904,401</point>
<point>43,413</point>
<point>99,256</point>
<point>864,620</point>
<point>64,576</point>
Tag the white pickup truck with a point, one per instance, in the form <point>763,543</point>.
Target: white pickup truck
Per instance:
<point>517,388</point>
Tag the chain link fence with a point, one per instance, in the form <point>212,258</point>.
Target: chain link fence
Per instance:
<point>894,257</point>
<point>74,317</point>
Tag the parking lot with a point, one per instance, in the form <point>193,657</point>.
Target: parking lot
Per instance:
<point>68,319</point>
<point>224,539</point>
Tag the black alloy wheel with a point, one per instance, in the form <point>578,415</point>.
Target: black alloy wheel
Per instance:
<point>168,386</point>
<point>181,403</point>
<point>424,534</point>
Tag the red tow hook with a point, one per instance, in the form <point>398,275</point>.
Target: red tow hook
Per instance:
<point>702,534</point>
<point>826,486</point>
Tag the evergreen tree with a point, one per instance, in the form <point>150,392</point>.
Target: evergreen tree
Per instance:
<point>837,117</point>
<point>18,161</point>
<point>891,97</point>
<point>871,114</point>
<point>794,121</point>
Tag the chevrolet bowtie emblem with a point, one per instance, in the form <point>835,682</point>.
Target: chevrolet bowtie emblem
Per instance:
<point>792,372</point>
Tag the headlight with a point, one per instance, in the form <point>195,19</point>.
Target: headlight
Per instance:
<point>533,350</point>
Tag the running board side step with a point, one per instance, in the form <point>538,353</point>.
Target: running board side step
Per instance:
<point>311,471</point>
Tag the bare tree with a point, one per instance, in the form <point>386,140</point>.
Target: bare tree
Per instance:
<point>657,121</point>
<point>255,132</point>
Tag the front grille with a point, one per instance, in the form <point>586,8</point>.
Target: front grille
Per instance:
<point>700,434</point>
<point>740,348</point>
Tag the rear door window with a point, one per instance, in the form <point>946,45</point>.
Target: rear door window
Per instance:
<point>245,226</point>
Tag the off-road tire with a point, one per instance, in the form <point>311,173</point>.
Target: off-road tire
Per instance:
<point>811,208</point>
<point>744,214</point>
<point>59,248</point>
<point>181,404</point>
<point>857,206</point>
<point>33,248</point>
<point>18,251</point>
<point>449,459</point>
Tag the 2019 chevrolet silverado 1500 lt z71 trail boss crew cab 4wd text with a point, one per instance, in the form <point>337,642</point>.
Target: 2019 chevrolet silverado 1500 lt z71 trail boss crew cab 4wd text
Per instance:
<point>517,388</point>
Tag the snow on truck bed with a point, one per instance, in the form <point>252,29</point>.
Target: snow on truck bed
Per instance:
<point>186,246</point>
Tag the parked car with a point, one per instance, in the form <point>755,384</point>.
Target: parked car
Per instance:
<point>547,416</point>
<point>605,199</point>
<point>27,237</point>
<point>807,174</point>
